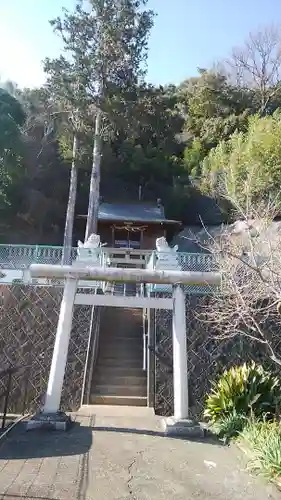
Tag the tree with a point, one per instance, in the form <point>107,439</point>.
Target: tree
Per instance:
<point>12,118</point>
<point>247,167</point>
<point>69,113</point>
<point>146,140</point>
<point>213,110</point>
<point>247,253</point>
<point>107,43</point>
<point>257,66</point>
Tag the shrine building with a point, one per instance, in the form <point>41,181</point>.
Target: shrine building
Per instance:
<point>134,225</point>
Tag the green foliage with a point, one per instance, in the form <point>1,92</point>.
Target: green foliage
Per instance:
<point>107,46</point>
<point>213,110</point>
<point>244,390</point>
<point>151,136</point>
<point>12,118</point>
<point>230,425</point>
<point>263,439</point>
<point>193,155</point>
<point>247,167</point>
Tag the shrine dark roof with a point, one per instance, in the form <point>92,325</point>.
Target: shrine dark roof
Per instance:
<point>133,212</point>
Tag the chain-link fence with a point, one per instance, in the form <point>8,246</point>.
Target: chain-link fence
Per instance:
<point>207,356</point>
<point>28,323</point>
<point>21,256</point>
<point>180,261</point>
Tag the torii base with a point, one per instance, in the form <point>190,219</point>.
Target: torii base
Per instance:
<point>59,421</point>
<point>182,428</point>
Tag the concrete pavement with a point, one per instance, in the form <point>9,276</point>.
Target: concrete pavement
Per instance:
<point>121,454</point>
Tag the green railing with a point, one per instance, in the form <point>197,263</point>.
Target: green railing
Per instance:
<point>185,261</point>
<point>201,262</point>
<point>21,256</point>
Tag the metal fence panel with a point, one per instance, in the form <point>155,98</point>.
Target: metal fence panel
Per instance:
<point>28,322</point>
<point>21,256</point>
<point>201,262</point>
<point>207,356</point>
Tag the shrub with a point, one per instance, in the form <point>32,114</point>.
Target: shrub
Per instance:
<point>246,390</point>
<point>229,426</point>
<point>263,439</point>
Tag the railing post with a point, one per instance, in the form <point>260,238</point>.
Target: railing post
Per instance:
<point>5,410</point>
<point>151,357</point>
<point>154,259</point>
<point>36,253</point>
<point>91,355</point>
<point>144,339</point>
<point>26,385</point>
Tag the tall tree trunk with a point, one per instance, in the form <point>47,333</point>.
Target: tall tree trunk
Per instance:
<point>69,221</point>
<point>94,195</point>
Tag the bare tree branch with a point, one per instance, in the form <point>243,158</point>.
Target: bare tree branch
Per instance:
<point>257,64</point>
<point>248,255</point>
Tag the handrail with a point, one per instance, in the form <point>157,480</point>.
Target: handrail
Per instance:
<point>91,355</point>
<point>9,372</point>
<point>144,340</point>
<point>18,245</point>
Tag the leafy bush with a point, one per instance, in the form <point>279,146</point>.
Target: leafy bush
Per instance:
<point>263,439</point>
<point>248,164</point>
<point>229,426</point>
<point>247,390</point>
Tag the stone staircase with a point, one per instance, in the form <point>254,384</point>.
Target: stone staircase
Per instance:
<point>118,377</point>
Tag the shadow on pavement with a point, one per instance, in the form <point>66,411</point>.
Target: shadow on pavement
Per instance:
<point>207,439</point>
<point>22,445</point>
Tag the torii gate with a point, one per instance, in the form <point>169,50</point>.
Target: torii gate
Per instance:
<point>50,414</point>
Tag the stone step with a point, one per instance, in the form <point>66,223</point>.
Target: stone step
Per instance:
<point>120,390</point>
<point>115,326</point>
<point>120,329</point>
<point>119,371</point>
<point>118,378</point>
<point>97,399</point>
<point>118,312</point>
<point>118,352</point>
<point>122,315</point>
<point>119,411</point>
<point>113,379</point>
<point>119,336</point>
<point>127,342</point>
<point>113,361</point>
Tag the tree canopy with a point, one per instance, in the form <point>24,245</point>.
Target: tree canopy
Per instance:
<point>248,166</point>
<point>172,140</point>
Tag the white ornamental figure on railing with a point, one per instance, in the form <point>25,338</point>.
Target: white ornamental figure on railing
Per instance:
<point>166,256</point>
<point>90,251</point>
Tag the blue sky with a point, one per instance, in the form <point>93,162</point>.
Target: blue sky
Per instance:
<point>187,34</point>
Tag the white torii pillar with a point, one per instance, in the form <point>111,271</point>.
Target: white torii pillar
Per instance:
<point>180,379</point>
<point>51,414</point>
<point>59,359</point>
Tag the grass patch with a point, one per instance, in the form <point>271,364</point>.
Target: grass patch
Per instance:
<point>263,440</point>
